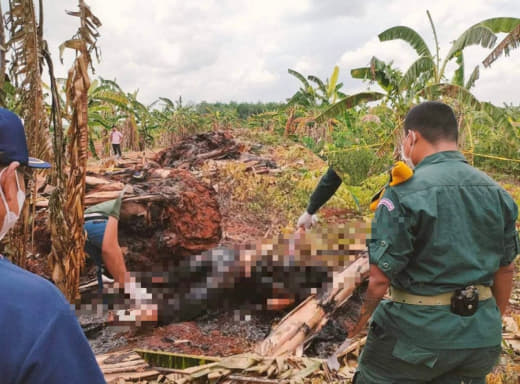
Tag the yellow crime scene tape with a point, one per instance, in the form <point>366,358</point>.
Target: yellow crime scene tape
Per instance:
<point>491,156</point>
<point>354,148</point>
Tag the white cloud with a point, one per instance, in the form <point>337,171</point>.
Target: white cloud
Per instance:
<point>241,49</point>
<point>360,57</point>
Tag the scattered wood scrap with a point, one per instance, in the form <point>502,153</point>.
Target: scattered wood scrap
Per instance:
<point>194,150</point>
<point>126,366</point>
<point>258,165</point>
<point>252,368</point>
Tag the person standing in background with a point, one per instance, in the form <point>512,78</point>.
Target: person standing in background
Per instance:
<point>115,139</point>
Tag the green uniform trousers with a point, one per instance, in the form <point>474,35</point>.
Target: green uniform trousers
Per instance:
<point>386,360</point>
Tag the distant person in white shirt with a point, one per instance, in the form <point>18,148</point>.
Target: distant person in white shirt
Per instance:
<point>115,138</point>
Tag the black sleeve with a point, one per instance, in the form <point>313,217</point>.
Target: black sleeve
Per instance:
<point>326,188</point>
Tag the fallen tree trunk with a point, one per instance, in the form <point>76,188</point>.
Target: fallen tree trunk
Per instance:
<point>306,320</point>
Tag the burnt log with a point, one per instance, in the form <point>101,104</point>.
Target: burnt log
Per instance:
<point>194,150</point>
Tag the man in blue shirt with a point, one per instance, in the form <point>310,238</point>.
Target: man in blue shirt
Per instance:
<point>41,339</point>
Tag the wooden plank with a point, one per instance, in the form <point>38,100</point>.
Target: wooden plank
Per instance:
<point>131,376</point>
<point>95,181</point>
<point>125,365</point>
<point>121,356</point>
<point>125,368</point>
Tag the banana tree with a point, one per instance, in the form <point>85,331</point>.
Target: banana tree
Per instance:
<point>67,200</point>
<point>306,95</point>
<point>24,95</point>
<point>325,93</point>
<point>429,67</point>
<point>143,121</point>
<point>498,133</point>
<point>511,41</point>
<point>396,100</point>
<point>328,92</point>
<point>107,105</point>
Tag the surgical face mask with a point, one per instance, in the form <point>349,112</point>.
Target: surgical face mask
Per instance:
<point>11,218</point>
<point>408,159</point>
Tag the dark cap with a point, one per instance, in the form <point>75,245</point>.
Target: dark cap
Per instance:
<point>13,144</point>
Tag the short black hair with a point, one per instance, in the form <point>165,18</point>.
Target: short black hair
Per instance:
<point>434,120</point>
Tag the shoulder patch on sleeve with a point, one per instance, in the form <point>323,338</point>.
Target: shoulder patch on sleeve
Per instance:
<point>387,203</point>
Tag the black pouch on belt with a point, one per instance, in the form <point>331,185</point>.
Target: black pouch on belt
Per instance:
<point>464,301</point>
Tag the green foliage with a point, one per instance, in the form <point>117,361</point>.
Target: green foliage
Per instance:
<point>483,33</point>
<point>356,164</point>
<point>325,92</point>
<point>473,78</point>
<point>348,103</point>
<point>427,68</point>
<point>409,35</point>
<point>513,189</point>
<point>510,42</point>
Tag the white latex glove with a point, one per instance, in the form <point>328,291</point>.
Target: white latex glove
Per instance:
<point>141,307</point>
<point>307,220</point>
<point>145,313</point>
<point>137,293</point>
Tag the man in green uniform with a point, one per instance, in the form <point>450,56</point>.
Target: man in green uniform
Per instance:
<point>444,241</point>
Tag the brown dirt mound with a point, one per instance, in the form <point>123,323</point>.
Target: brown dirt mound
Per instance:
<point>168,214</point>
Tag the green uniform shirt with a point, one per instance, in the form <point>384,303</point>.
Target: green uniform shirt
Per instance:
<point>447,227</point>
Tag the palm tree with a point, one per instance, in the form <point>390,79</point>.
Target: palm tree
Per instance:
<point>427,77</point>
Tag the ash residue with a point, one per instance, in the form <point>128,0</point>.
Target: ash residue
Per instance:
<point>334,332</point>
<point>102,338</point>
<point>218,333</point>
<point>253,327</point>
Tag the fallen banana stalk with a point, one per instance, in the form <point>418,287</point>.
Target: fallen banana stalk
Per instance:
<point>308,318</point>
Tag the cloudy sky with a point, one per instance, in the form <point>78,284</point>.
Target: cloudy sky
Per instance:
<point>222,50</point>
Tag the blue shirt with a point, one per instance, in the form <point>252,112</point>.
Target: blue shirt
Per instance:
<point>41,340</point>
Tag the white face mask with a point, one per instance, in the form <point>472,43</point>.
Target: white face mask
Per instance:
<point>408,159</point>
<point>11,218</point>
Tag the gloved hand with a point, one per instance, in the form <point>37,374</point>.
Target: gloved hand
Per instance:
<point>137,293</point>
<point>141,309</point>
<point>307,220</point>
